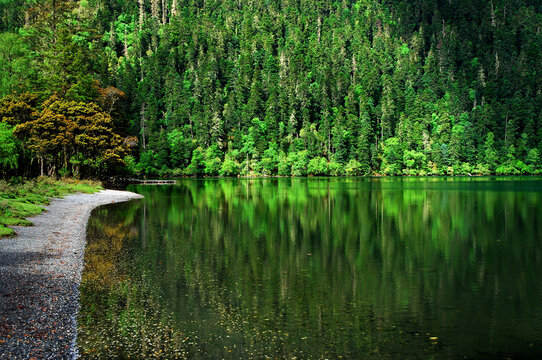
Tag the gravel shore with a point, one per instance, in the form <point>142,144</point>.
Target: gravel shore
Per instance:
<point>40,272</point>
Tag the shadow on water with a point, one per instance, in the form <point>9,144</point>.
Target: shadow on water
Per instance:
<point>317,268</point>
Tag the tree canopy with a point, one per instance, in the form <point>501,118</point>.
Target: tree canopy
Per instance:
<point>284,87</point>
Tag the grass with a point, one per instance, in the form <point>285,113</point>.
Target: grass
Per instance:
<point>21,199</point>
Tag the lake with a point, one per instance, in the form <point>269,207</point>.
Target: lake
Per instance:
<point>297,268</point>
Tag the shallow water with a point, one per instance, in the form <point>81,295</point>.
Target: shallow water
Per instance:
<point>365,268</point>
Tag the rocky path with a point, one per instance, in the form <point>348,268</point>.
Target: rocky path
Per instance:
<point>40,272</point>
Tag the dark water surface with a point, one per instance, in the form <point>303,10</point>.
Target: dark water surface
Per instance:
<point>400,268</point>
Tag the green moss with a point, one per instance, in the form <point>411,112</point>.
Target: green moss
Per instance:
<point>13,221</point>
<point>6,232</point>
<point>87,189</point>
<point>20,200</point>
<point>24,209</point>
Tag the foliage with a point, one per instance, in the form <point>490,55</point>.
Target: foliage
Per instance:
<point>353,168</point>
<point>318,166</point>
<point>392,157</point>
<point>415,163</point>
<point>197,164</point>
<point>213,166</point>
<point>270,160</point>
<point>14,57</point>
<point>8,147</point>
<point>229,167</point>
<point>76,131</point>
<point>16,109</point>
<point>392,88</point>
<point>299,161</point>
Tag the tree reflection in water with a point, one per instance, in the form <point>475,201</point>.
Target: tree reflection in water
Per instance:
<point>316,268</point>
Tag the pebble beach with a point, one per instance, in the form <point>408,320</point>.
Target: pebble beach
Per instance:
<point>40,273</point>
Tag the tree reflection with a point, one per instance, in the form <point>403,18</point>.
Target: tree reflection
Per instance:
<point>314,268</point>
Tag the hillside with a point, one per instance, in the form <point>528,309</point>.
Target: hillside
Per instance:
<point>304,87</point>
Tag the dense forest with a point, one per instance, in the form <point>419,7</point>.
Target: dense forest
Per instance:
<point>271,87</point>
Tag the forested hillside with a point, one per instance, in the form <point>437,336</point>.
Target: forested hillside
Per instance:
<point>271,87</point>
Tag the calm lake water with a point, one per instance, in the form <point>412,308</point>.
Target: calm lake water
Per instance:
<point>398,268</point>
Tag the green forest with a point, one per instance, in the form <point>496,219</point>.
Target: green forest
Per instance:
<point>170,88</point>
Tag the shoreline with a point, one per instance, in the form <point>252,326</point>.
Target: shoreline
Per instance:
<point>40,273</point>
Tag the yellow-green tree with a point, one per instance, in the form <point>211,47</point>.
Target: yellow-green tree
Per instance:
<point>48,136</point>
<point>96,147</point>
<point>72,132</point>
<point>18,108</point>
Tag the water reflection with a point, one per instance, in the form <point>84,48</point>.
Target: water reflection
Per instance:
<point>317,268</point>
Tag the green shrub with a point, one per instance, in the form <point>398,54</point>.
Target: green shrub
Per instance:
<point>197,164</point>
<point>229,167</point>
<point>522,168</point>
<point>507,169</point>
<point>336,169</point>
<point>481,169</point>
<point>299,161</point>
<point>270,160</point>
<point>213,166</point>
<point>353,168</point>
<point>177,172</point>
<point>318,166</point>
<point>284,167</point>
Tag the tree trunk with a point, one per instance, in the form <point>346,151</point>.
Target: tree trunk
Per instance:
<point>143,125</point>
<point>164,12</point>
<point>65,160</point>
<point>141,13</point>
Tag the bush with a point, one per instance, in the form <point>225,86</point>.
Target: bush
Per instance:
<point>8,147</point>
<point>318,166</point>
<point>146,164</point>
<point>299,161</point>
<point>229,167</point>
<point>164,172</point>
<point>353,168</point>
<point>481,169</point>
<point>392,157</point>
<point>284,167</point>
<point>533,158</point>
<point>270,161</point>
<point>212,166</point>
<point>336,169</point>
<point>177,172</point>
<point>197,165</point>
<point>506,169</point>
<point>415,163</point>
<point>522,168</point>
<point>131,165</point>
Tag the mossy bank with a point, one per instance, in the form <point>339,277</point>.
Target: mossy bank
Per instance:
<point>20,199</point>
